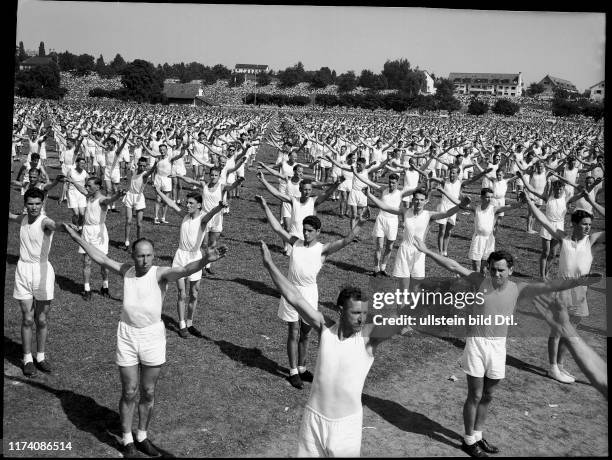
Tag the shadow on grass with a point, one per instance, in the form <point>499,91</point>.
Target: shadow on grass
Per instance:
<point>68,284</point>
<point>530,249</point>
<point>257,286</point>
<point>84,413</point>
<point>412,422</point>
<point>12,259</point>
<point>592,330</point>
<point>13,352</point>
<point>346,266</point>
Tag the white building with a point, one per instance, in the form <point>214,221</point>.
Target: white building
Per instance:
<point>491,84</point>
<point>251,68</point>
<point>597,92</point>
<point>429,87</point>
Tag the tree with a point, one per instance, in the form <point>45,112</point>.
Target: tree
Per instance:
<point>222,72</point>
<point>22,54</point>
<point>40,82</point>
<point>263,79</point>
<point>561,93</point>
<point>535,89</point>
<point>564,108</point>
<point>444,88</point>
<point>477,107</point>
<point>396,72</point>
<point>505,107</point>
<point>322,78</point>
<point>449,103</point>
<point>596,111</point>
<point>41,49</point>
<point>347,82</point>
<point>117,64</point>
<point>367,79</point>
<point>85,63</point>
<point>236,79</point>
<point>100,65</point>
<point>142,82</point>
<point>67,61</point>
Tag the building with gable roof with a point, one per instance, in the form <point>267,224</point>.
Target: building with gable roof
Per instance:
<point>489,84</point>
<point>551,84</point>
<point>597,92</point>
<point>35,61</point>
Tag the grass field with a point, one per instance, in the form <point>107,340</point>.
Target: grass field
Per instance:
<point>226,394</point>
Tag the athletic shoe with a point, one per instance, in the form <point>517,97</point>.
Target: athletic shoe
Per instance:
<point>488,448</point>
<point>296,381</point>
<point>474,450</point>
<point>164,221</point>
<point>564,371</point>
<point>156,221</point>
<point>183,333</point>
<point>125,247</point>
<point>531,232</point>
<point>29,369</point>
<point>306,376</point>
<point>104,292</point>
<point>209,271</point>
<point>86,295</point>
<point>44,366</point>
<point>194,331</point>
<point>375,273</point>
<point>129,451</point>
<point>383,273</point>
<point>560,376</point>
<point>147,447</point>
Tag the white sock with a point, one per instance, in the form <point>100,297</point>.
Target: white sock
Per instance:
<point>377,268</point>
<point>207,266</point>
<point>182,325</point>
<point>87,287</point>
<point>383,267</point>
<point>127,243</point>
<point>141,435</point>
<point>477,435</point>
<point>189,322</point>
<point>293,371</point>
<point>40,357</point>
<point>469,439</point>
<point>27,358</point>
<point>105,284</point>
<point>301,369</point>
<point>554,368</point>
<point>127,438</point>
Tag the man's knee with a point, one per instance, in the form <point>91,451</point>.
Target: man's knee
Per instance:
<point>27,320</point>
<point>293,332</point>
<point>181,296</point>
<point>474,396</point>
<point>486,397</point>
<point>147,393</point>
<point>41,321</point>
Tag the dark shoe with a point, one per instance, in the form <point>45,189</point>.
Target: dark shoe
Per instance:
<point>86,295</point>
<point>29,369</point>
<point>384,273</point>
<point>375,274</point>
<point>306,376</point>
<point>194,331</point>
<point>183,333</point>
<point>474,450</point>
<point>146,447</point>
<point>296,381</point>
<point>125,247</point>
<point>488,448</point>
<point>104,292</point>
<point>44,366</point>
<point>129,451</point>
<point>209,271</point>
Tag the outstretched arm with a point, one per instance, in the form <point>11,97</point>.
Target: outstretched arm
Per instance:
<point>334,246</point>
<point>382,205</point>
<point>274,223</point>
<point>464,203</point>
<point>328,192</point>
<point>281,196</point>
<point>94,253</point>
<point>166,199</point>
<point>541,217</point>
<point>211,254</point>
<point>441,260</point>
<point>546,287</point>
<point>308,313</point>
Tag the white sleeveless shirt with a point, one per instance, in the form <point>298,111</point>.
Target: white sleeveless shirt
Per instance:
<point>484,220</point>
<point>211,197</point>
<point>305,263</point>
<point>142,298</point>
<point>34,243</point>
<point>299,211</point>
<point>191,233</point>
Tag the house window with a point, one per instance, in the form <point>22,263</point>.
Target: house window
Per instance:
<point>514,87</point>
<point>598,91</point>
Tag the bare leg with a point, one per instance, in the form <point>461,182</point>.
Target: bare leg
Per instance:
<point>148,381</point>
<point>27,321</point>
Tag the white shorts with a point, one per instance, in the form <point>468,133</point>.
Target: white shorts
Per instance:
<point>357,198</point>
<point>481,247</point>
<point>76,199</point>
<point>216,223</point>
<point>385,227</point>
<point>483,357</point>
<point>285,210</point>
<point>450,220</point>
<point>95,236</point>
<point>34,281</point>
<point>125,156</point>
<point>575,300</point>
<point>345,186</point>
<point>557,225</point>
<point>141,345</point>
<point>178,170</point>
<point>287,313</point>
<point>182,258</point>
<point>113,176</point>
<point>163,182</point>
<point>499,202</point>
<point>320,436</point>
<point>409,262</point>
<point>135,201</point>
<point>99,160</point>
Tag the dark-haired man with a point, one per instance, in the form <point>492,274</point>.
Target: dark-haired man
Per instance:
<point>141,337</point>
<point>484,355</point>
<point>332,421</point>
<point>307,257</point>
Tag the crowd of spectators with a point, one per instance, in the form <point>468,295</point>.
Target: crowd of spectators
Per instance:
<point>79,87</point>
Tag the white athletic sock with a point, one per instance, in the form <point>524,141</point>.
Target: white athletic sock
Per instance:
<point>141,435</point>
<point>127,438</point>
<point>27,358</point>
<point>293,371</point>
<point>477,435</point>
<point>127,243</point>
<point>377,268</point>
<point>105,284</point>
<point>182,325</point>
<point>40,357</point>
<point>383,267</point>
<point>554,367</point>
<point>189,322</point>
<point>87,287</point>
<point>469,439</point>
<point>207,266</point>
<point>301,369</point>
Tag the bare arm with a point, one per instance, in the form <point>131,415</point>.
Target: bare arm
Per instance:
<point>274,223</point>
<point>382,205</point>
<point>94,253</point>
<point>541,217</point>
<point>441,260</point>
<point>211,254</point>
<point>334,246</point>
<point>281,196</point>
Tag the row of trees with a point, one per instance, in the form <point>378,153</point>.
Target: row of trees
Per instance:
<point>398,101</point>
<point>565,108</point>
<point>501,107</point>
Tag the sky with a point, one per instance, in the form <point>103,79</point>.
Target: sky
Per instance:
<point>564,45</point>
